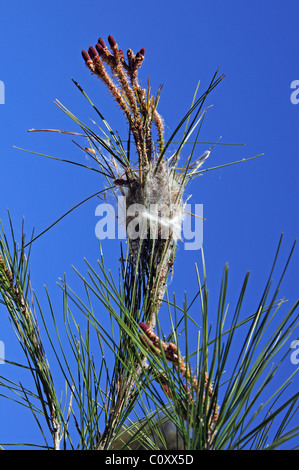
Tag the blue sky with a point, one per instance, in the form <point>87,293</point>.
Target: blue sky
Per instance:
<point>246,206</point>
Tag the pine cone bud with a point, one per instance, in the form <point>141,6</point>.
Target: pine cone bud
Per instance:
<point>111,41</point>
<point>146,341</point>
<point>166,389</point>
<point>92,52</point>
<point>99,48</point>
<point>102,43</point>
<point>121,55</point>
<point>144,327</point>
<point>85,56</point>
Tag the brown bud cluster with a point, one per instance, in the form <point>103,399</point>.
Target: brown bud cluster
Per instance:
<point>117,55</point>
<point>172,355</point>
<point>170,349</point>
<point>127,91</point>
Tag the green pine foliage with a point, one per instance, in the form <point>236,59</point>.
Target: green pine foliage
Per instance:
<point>138,385</point>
